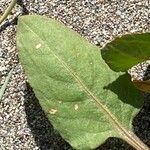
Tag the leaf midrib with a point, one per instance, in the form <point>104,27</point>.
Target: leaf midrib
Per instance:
<point>103,108</point>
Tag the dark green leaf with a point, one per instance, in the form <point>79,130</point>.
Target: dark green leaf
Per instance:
<point>127,51</point>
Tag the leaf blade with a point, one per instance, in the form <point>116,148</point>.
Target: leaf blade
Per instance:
<point>68,89</point>
<point>126,51</point>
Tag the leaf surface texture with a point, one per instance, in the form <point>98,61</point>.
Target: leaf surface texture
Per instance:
<point>84,99</point>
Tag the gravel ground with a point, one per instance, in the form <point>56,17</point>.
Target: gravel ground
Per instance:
<point>23,125</point>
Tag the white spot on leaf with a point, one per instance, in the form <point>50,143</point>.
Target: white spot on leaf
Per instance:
<point>76,107</point>
<point>53,111</point>
<point>77,54</point>
<point>38,46</point>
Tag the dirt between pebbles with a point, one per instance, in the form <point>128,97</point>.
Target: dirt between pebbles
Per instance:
<point>23,124</point>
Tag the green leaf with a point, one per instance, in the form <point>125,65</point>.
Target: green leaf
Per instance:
<point>126,51</point>
<point>84,99</point>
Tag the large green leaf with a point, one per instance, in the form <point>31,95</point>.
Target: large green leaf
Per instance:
<point>127,51</point>
<point>84,99</point>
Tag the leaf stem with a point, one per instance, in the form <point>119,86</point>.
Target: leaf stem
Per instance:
<point>135,142</point>
<point>8,10</point>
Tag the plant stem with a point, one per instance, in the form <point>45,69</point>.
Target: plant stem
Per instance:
<point>3,88</point>
<point>8,10</point>
<point>134,141</point>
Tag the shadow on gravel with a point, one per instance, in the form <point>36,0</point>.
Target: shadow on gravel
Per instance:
<point>14,21</point>
<point>115,144</point>
<point>7,24</point>
<point>44,134</point>
<point>47,138</point>
<point>141,122</point>
<point>24,9</point>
